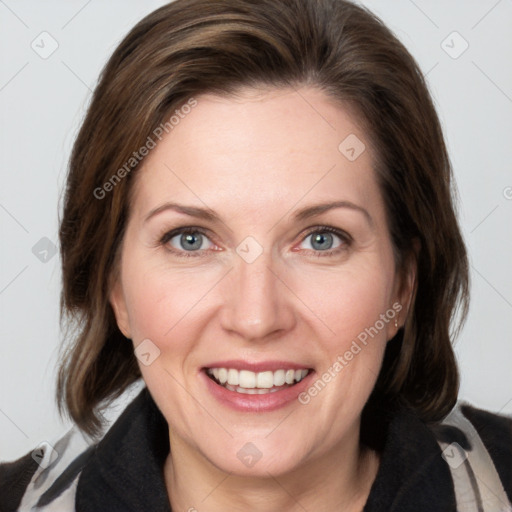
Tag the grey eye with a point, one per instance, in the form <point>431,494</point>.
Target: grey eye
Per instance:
<point>322,241</point>
<point>192,241</point>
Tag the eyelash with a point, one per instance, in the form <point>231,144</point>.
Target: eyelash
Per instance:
<point>342,235</point>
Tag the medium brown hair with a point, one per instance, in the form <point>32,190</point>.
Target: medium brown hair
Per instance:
<point>190,47</point>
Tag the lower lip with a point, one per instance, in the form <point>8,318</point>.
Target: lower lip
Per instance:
<point>256,403</point>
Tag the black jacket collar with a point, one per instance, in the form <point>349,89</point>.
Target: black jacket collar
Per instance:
<point>412,475</point>
<point>125,472</point>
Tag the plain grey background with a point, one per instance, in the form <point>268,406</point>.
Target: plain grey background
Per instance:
<point>51,54</point>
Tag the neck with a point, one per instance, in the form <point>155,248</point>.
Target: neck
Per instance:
<point>339,480</point>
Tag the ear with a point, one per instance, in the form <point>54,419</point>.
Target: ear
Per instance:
<point>118,303</point>
<point>406,287</point>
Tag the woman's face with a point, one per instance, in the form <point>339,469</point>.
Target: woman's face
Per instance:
<point>257,247</point>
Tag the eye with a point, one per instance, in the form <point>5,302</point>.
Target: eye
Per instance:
<point>187,240</point>
<point>325,240</point>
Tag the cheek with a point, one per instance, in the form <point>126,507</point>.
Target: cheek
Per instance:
<point>162,301</point>
<point>163,307</point>
<point>148,306</point>
<point>348,302</point>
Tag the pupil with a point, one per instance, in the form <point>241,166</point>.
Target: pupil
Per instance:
<point>191,241</point>
<point>322,241</point>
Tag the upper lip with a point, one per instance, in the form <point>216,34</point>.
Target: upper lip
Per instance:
<point>262,366</point>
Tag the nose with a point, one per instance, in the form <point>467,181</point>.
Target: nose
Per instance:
<point>257,305</point>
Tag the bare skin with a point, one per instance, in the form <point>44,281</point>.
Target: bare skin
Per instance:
<point>255,161</point>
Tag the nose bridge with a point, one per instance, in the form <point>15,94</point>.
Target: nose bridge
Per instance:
<point>256,304</point>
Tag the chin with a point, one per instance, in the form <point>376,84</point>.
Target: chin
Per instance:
<point>256,459</point>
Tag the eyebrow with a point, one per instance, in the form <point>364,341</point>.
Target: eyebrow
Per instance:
<point>305,213</point>
<point>318,209</point>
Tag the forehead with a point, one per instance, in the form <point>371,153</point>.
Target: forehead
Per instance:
<point>260,148</point>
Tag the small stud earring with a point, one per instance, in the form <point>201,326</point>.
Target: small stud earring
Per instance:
<point>396,323</point>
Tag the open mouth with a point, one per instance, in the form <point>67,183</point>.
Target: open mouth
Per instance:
<point>256,383</point>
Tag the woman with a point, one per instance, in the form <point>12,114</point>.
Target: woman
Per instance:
<point>258,222</point>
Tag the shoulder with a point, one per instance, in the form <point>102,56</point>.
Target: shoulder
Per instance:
<point>478,443</point>
<point>495,430</point>
<point>46,475</point>
<point>46,478</point>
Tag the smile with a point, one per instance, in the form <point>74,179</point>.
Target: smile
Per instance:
<point>256,383</point>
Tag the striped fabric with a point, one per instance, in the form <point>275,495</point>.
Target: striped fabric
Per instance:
<point>46,479</point>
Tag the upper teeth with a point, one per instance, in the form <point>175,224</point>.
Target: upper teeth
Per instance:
<point>248,379</point>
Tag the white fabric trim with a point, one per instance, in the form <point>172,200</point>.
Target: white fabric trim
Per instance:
<point>56,457</point>
<point>490,487</point>
<point>64,503</point>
